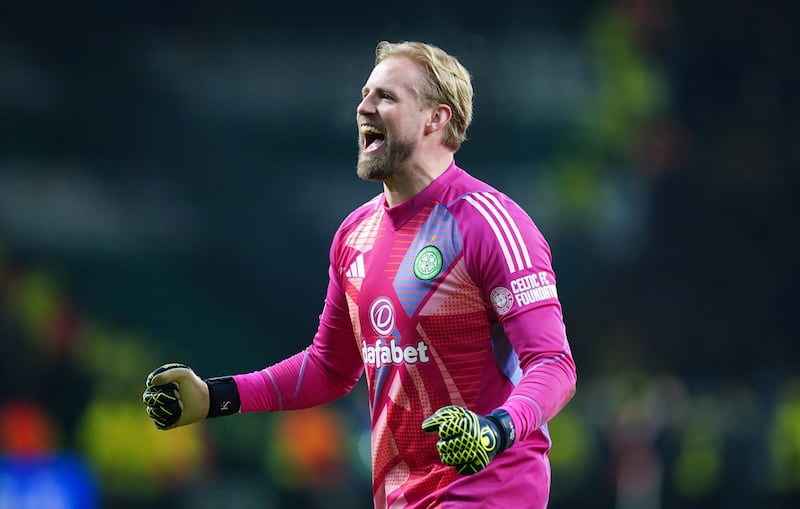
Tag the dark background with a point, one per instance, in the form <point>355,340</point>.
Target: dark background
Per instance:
<point>171,176</point>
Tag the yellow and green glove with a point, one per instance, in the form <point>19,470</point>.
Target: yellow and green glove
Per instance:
<point>175,396</point>
<point>468,441</point>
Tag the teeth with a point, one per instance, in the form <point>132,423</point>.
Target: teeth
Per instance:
<point>368,129</point>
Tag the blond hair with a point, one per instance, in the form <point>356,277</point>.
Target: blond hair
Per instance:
<point>448,82</point>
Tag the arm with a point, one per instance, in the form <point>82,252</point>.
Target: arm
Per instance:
<point>509,260</point>
<point>515,264</point>
<point>327,370</point>
<point>469,441</point>
<point>548,370</point>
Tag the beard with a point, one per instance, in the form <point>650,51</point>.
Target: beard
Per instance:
<point>387,162</point>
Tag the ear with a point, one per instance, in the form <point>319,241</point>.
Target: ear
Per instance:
<point>439,118</point>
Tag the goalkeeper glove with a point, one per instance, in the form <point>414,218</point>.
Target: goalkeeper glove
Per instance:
<point>468,441</point>
<point>175,396</point>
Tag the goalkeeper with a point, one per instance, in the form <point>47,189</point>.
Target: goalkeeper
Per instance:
<point>441,292</point>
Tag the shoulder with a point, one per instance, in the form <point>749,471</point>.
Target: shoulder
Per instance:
<point>464,183</point>
<point>496,230</point>
<point>478,205</point>
<point>353,221</point>
<point>361,212</point>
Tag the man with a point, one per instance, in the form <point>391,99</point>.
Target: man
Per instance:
<point>441,289</point>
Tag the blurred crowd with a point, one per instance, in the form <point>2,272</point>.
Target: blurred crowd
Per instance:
<point>665,186</point>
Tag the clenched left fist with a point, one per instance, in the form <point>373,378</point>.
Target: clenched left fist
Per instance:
<point>175,396</point>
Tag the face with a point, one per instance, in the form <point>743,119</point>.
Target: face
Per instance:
<point>390,119</point>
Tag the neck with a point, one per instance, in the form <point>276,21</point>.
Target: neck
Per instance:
<point>409,181</point>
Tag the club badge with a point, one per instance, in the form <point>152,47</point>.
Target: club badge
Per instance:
<point>428,263</point>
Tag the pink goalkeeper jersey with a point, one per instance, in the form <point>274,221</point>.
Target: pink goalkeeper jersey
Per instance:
<point>446,299</point>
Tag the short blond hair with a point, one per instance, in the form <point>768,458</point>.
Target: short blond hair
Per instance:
<point>448,82</point>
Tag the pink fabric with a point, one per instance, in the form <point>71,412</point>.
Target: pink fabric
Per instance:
<point>448,298</point>
<point>549,376</point>
<point>327,370</point>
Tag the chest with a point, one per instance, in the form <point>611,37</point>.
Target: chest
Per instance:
<point>403,267</point>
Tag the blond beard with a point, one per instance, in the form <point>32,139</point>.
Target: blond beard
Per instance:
<point>385,164</point>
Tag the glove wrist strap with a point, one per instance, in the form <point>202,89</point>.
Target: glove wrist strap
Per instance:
<point>223,396</point>
<point>506,428</point>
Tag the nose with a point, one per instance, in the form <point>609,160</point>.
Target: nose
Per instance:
<point>366,106</point>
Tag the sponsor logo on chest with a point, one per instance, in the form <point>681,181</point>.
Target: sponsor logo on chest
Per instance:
<point>387,349</point>
<point>383,353</point>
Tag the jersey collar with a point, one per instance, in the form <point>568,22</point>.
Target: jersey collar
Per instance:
<point>402,212</point>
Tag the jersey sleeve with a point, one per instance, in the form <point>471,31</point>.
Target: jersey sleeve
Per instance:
<point>511,262</point>
<point>325,371</point>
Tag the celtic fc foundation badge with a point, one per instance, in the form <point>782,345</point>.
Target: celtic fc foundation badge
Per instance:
<point>428,263</point>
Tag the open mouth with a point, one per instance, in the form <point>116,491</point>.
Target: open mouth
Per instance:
<point>372,137</point>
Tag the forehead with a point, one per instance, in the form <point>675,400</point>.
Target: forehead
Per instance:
<point>395,73</point>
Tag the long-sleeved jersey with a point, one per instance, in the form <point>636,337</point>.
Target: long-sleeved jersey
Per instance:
<point>446,299</point>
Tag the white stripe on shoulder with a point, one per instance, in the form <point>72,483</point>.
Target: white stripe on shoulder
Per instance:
<point>495,229</point>
<point>501,220</point>
<point>513,224</point>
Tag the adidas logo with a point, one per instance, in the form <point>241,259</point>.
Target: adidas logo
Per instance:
<point>356,269</point>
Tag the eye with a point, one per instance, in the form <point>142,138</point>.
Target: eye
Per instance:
<point>384,95</point>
